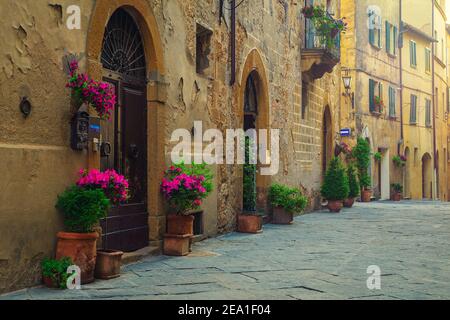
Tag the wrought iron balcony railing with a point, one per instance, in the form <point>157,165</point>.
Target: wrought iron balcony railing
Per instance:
<point>313,40</point>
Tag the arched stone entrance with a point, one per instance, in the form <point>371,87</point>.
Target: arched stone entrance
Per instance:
<point>327,139</point>
<point>254,112</point>
<point>153,94</point>
<point>427,176</point>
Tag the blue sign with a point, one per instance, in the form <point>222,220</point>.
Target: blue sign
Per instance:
<point>346,132</point>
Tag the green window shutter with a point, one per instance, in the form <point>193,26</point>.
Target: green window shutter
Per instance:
<point>415,54</point>
<point>372,35</point>
<point>371,95</point>
<point>394,41</point>
<point>392,101</point>
<point>412,114</point>
<point>379,34</point>
<point>388,37</point>
<point>411,53</point>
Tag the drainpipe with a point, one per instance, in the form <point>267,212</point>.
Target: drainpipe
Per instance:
<point>233,42</point>
<point>400,47</point>
<point>436,183</point>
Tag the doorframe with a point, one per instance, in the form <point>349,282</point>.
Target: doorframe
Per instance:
<point>156,97</point>
<point>385,183</point>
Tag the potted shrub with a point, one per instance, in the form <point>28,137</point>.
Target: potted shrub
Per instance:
<point>249,220</point>
<point>353,183</point>
<point>82,210</point>
<point>286,202</point>
<point>115,187</point>
<point>184,190</point>
<point>377,156</point>
<point>54,272</point>
<point>397,190</point>
<point>335,187</point>
<point>399,161</point>
<point>361,154</point>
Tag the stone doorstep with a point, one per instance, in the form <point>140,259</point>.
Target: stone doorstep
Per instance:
<point>130,257</point>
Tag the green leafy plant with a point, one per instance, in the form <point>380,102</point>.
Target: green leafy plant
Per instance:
<point>398,161</point>
<point>82,208</point>
<point>249,181</point>
<point>291,199</point>
<point>56,270</point>
<point>361,154</point>
<point>377,156</point>
<point>335,186</point>
<point>397,187</point>
<point>353,183</point>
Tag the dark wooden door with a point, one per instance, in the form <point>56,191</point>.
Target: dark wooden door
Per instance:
<point>126,227</point>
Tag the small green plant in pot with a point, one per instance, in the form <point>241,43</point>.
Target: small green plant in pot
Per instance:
<point>361,154</point>
<point>82,209</point>
<point>335,187</point>
<point>377,156</point>
<point>286,202</point>
<point>54,272</point>
<point>397,190</point>
<point>353,183</point>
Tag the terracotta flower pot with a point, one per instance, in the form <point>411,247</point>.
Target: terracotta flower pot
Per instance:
<point>348,203</point>
<point>180,225</point>
<point>177,245</point>
<point>249,223</point>
<point>48,282</point>
<point>335,205</point>
<point>366,196</point>
<point>107,265</point>
<point>396,196</point>
<point>281,216</point>
<point>82,249</point>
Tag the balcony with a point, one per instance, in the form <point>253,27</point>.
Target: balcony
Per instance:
<point>320,54</point>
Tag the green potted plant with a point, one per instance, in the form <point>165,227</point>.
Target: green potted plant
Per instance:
<point>335,187</point>
<point>249,220</point>
<point>54,272</point>
<point>353,183</point>
<point>286,202</point>
<point>397,190</point>
<point>377,156</point>
<point>184,189</point>
<point>399,161</point>
<point>82,210</point>
<point>361,154</point>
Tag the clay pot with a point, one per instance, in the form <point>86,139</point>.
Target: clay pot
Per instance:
<point>180,225</point>
<point>48,282</point>
<point>249,223</point>
<point>281,216</point>
<point>396,196</point>
<point>107,265</point>
<point>82,249</point>
<point>335,205</point>
<point>348,203</point>
<point>366,196</point>
<point>177,245</point>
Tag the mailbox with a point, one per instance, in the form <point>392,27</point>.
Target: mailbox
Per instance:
<point>80,131</point>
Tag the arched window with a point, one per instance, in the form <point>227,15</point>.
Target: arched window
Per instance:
<point>251,98</point>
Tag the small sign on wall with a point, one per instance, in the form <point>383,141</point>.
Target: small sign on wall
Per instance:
<point>346,132</point>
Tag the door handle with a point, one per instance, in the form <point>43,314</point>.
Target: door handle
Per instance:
<point>105,149</point>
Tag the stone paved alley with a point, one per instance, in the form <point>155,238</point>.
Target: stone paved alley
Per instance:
<point>321,256</point>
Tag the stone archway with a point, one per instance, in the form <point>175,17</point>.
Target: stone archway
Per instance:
<point>427,176</point>
<point>155,94</point>
<point>254,68</point>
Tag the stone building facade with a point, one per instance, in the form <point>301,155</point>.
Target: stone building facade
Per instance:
<point>187,58</point>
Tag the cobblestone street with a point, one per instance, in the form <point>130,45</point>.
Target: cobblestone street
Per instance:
<point>320,256</point>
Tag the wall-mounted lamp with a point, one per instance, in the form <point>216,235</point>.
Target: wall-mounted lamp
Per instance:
<point>347,80</point>
<point>25,107</point>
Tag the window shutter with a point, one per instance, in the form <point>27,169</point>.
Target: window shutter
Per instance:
<point>388,37</point>
<point>415,54</point>
<point>372,35</point>
<point>411,53</point>
<point>379,31</point>
<point>371,95</point>
<point>394,41</point>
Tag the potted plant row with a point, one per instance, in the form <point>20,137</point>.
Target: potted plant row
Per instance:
<point>286,202</point>
<point>83,205</point>
<point>184,189</point>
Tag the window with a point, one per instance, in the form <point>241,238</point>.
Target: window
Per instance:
<point>427,60</point>
<point>413,53</point>
<point>304,99</point>
<point>392,97</point>
<point>391,38</point>
<point>428,112</point>
<point>448,100</point>
<point>413,110</point>
<point>375,96</point>
<point>203,49</point>
<point>375,29</point>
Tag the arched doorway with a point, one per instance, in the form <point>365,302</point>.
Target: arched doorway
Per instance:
<point>407,176</point>
<point>327,140</point>
<point>124,138</point>
<point>427,177</point>
<point>254,113</point>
